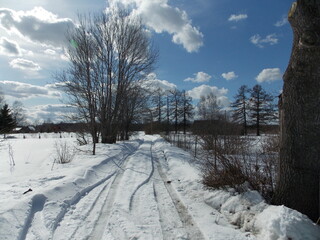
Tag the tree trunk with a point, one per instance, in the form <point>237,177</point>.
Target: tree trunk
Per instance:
<point>244,118</point>
<point>258,115</point>
<point>299,166</point>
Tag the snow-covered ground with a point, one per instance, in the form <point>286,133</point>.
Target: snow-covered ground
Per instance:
<point>138,189</point>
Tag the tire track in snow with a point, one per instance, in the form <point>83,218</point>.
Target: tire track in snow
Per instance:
<point>73,201</point>
<point>145,181</point>
<point>171,226</point>
<point>100,188</point>
<point>192,231</point>
<point>135,214</point>
<point>105,212</point>
<point>83,214</point>
<point>110,191</point>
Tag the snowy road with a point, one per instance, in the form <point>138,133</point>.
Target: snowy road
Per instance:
<point>143,189</point>
<point>134,200</point>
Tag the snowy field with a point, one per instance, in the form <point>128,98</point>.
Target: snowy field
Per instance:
<point>138,189</point>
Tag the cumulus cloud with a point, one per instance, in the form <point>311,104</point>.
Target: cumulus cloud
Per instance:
<point>269,75</point>
<point>25,90</point>
<point>282,22</point>
<point>161,17</point>
<point>56,86</point>
<point>153,84</point>
<point>199,77</point>
<point>10,48</point>
<point>237,18</point>
<point>24,64</point>
<point>37,25</point>
<point>229,75</point>
<point>270,39</point>
<point>204,90</point>
<point>53,112</point>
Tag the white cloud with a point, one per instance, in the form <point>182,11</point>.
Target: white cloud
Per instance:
<point>204,90</point>
<point>153,84</point>
<point>25,90</point>
<point>37,25</point>
<point>237,18</point>
<point>229,75</point>
<point>282,22</point>
<point>270,39</point>
<point>56,86</point>
<point>24,64</point>
<point>200,77</point>
<point>269,75</point>
<point>55,112</point>
<point>161,17</point>
<point>10,48</point>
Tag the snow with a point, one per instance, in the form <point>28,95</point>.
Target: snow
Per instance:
<point>139,189</point>
<point>283,223</point>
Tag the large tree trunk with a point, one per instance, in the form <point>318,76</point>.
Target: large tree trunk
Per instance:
<point>299,166</point>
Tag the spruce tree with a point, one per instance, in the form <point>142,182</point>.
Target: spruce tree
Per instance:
<point>7,123</point>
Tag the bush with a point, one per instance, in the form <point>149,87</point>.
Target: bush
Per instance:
<point>63,152</point>
<point>224,173</point>
<point>230,163</point>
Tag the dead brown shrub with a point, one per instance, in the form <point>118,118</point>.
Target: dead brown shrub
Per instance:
<point>234,161</point>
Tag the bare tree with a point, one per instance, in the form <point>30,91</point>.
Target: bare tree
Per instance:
<point>175,107</point>
<point>109,53</point>
<point>299,166</point>
<point>133,110</point>
<point>1,98</point>
<point>126,55</point>
<point>159,103</point>
<point>208,107</point>
<point>262,109</point>
<point>80,78</point>
<point>241,108</point>
<point>168,111</point>
<point>187,109</point>
<point>18,113</point>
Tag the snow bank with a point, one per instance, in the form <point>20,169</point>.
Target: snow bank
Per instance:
<point>247,211</point>
<point>282,223</point>
<point>186,179</point>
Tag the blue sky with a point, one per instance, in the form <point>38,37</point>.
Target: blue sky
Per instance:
<point>204,46</point>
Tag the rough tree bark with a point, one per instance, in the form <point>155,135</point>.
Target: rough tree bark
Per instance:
<point>299,166</point>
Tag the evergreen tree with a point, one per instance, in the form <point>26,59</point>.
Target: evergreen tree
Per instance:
<point>262,108</point>
<point>7,122</point>
<point>241,108</point>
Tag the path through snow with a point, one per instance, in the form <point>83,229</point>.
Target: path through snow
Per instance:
<point>133,200</point>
